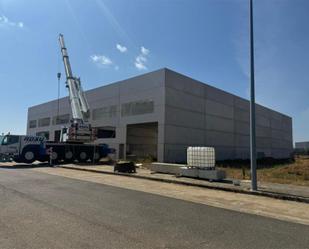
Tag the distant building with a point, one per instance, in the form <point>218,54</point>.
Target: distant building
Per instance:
<point>304,146</point>
<point>161,113</point>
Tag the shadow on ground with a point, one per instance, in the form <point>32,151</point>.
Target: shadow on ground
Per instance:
<point>23,165</point>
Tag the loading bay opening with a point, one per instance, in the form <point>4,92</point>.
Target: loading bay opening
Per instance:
<point>142,141</point>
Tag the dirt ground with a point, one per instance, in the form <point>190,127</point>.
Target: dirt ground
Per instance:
<point>293,173</point>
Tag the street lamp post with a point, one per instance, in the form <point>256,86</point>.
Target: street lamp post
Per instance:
<point>252,106</point>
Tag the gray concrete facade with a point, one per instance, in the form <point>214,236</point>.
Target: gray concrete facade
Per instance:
<point>180,111</point>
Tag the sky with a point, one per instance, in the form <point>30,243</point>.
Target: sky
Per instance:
<point>111,40</point>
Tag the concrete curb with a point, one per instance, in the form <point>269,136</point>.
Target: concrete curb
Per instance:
<point>229,189</point>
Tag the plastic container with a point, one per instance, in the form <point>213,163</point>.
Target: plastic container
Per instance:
<point>201,157</point>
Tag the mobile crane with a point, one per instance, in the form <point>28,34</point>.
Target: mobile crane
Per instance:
<point>76,141</point>
<point>80,130</point>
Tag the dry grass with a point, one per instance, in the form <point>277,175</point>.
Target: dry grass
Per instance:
<point>294,173</point>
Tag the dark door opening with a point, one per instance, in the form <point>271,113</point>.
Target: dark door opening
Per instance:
<point>142,141</point>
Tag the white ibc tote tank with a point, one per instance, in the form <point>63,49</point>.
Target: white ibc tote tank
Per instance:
<point>201,157</point>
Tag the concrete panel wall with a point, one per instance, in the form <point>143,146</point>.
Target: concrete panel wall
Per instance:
<point>219,119</point>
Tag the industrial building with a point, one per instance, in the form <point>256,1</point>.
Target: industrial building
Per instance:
<point>159,114</point>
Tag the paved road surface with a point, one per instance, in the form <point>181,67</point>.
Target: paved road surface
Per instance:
<point>43,211</point>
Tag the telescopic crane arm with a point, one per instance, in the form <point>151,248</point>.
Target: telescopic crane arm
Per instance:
<point>78,101</point>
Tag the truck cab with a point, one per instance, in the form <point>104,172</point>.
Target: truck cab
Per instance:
<point>25,149</point>
<point>9,145</point>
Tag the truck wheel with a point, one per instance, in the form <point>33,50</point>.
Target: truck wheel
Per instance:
<point>55,157</point>
<point>95,157</point>
<point>83,157</point>
<point>28,156</point>
<point>69,157</point>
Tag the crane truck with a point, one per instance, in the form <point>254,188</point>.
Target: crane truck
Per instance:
<point>76,141</point>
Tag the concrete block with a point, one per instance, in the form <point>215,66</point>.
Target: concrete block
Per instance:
<point>265,151</point>
<point>184,118</point>
<point>184,100</point>
<point>276,115</point>
<point>263,142</point>
<point>184,83</point>
<point>262,121</point>
<point>241,103</point>
<point>241,115</point>
<point>263,131</point>
<point>286,123</point>
<point>242,141</point>
<point>106,92</point>
<point>279,153</point>
<point>286,144</point>
<point>137,84</point>
<point>216,138</point>
<point>242,128</point>
<point>276,124</point>
<point>219,109</point>
<point>277,134</point>
<point>189,172</point>
<point>276,143</point>
<point>160,152</point>
<point>219,96</point>
<point>242,153</point>
<point>167,168</point>
<point>262,111</point>
<point>224,153</point>
<point>183,135</point>
<point>219,124</point>
<point>195,87</point>
<point>214,174</point>
<point>288,136</point>
<point>175,153</point>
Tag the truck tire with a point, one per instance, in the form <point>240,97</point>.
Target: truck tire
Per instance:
<point>55,156</point>
<point>28,156</point>
<point>69,157</point>
<point>95,157</point>
<point>83,156</point>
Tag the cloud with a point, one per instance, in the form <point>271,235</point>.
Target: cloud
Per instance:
<point>121,49</point>
<point>144,51</point>
<point>101,60</point>
<point>140,62</point>
<point>4,21</point>
<point>141,59</point>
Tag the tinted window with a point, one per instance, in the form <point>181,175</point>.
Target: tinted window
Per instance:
<point>106,133</point>
<point>137,108</point>
<point>10,140</point>
<point>32,123</point>
<point>44,122</point>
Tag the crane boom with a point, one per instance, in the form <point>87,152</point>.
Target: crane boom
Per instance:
<point>78,101</point>
<point>80,131</point>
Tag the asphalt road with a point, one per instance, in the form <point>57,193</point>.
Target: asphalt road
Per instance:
<point>43,211</point>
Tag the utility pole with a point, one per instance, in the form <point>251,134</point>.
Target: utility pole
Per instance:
<point>252,106</point>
